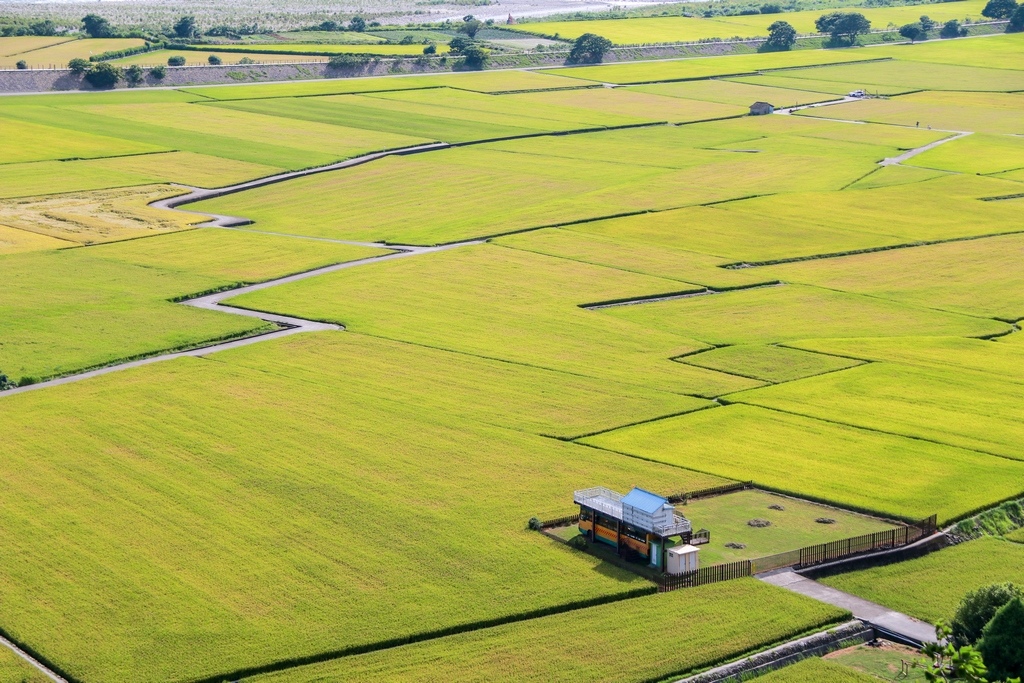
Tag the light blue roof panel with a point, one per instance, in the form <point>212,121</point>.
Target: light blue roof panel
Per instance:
<point>644,500</point>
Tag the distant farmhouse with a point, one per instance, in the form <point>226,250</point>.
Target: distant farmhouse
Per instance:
<point>761,108</point>
<point>640,522</point>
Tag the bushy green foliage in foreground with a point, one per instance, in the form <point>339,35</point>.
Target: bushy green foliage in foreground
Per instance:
<point>634,640</point>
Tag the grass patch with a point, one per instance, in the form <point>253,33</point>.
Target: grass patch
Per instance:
<point>676,29</point>
<point>954,406</point>
<point>13,669</point>
<point>884,661</point>
<point>486,81</point>
<point>981,154</point>
<point>943,353</point>
<point>824,461</point>
<point>508,304</point>
<point>76,308</point>
<point>931,587</point>
<point>996,52</point>
<point>768,363</point>
<point>624,252</point>
<point>56,177</point>
<point>516,185</point>
<point>943,208</point>
<point>814,670</point>
<point>257,516</point>
<point>718,622</point>
<point>729,92</point>
<point>974,277</point>
<point>707,67</point>
<point>509,395</point>
<point>795,527</point>
<point>791,312</point>
<point>60,53</point>
<point>13,241</point>
<point>996,113</point>
<point>22,141</point>
<point>446,113</point>
<point>892,77</point>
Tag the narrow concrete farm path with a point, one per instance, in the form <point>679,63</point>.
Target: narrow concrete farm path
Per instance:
<point>893,161</point>
<point>913,630</point>
<point>32,661</point>
<point>786,111</point>
<point>888,161</point>
<point>197,194</point>
<point>212,302</point>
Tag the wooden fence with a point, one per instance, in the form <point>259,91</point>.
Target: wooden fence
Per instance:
<point>880,540</point>
<point>803,557</point>
<point>560,521</point>
<point>708,492</point>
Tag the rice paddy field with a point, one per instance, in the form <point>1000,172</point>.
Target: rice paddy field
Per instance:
<point>621,647</point>
<point>949,575</point>
<point>584,286</point>
<point>50,53</point>
<point>689,29</point>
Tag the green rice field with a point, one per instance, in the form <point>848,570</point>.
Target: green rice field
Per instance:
<point>618,645</point>
<point>948,574</point>
<point>605,275</point>
<point>682,29</point>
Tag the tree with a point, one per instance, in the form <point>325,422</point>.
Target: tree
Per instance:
<point>158,72</point>
<point>843,25</point>
<point>913,32</point>
<point>186,27</point>
<point>952,29</point>
<point>22,64</point>
<point>781,36</point>
<point>214,60</point>
<point>43,28</point>
<point>771,9</point>
<point>999,9</point>
<point>1016,20</point>
<point>949,663</point>
<point>134,74</point>
<point>78,66</point>
<point>977,608</point>
<point>458,44</point>
<point>926,23</point>
<point>329,26</point>
<point>6,383</point>
<point>470,26</point>
<point>104,75</point>
<point>588,49</point>
<point>430,49</point>
<point>176,60</point>
<point>357,24</point>
<point>474,56</point>
<point>96,26</point>
<point>1002,641</point>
